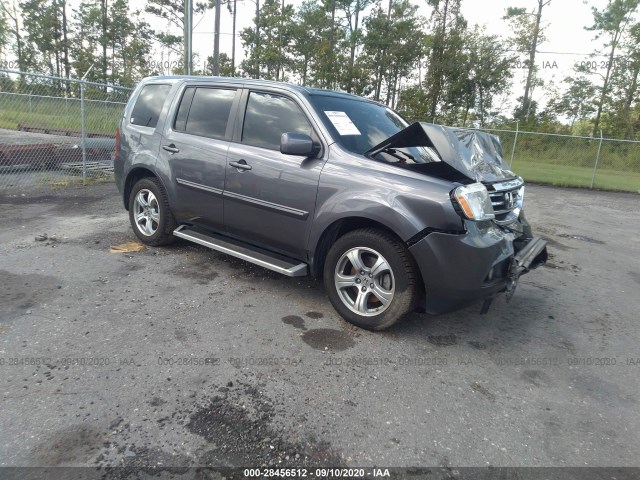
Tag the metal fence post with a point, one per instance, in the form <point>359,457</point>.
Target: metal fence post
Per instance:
<point>595,167</point>
<point>82,134</point>
<point>83,126</point>
<point>515,139</point>
<point>66,153</point>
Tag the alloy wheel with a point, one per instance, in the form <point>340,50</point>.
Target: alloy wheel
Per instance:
<point>146,212</point>
<point>364,281</point>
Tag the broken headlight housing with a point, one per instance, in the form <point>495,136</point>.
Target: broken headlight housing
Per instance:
<point>473,202</point>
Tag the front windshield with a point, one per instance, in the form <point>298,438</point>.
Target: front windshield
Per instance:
<point>356,124</point>
<point>359,125</point>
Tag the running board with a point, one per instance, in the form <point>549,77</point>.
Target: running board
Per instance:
<point>249,253</point>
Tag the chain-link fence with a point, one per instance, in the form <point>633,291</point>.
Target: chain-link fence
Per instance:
<point>572,161</point>
<point>55,130</point>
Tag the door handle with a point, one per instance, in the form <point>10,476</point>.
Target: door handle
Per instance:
<point>240,165</point>
<point>171,148</point>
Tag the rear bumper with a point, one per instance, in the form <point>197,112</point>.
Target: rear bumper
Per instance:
<point>477,264</point>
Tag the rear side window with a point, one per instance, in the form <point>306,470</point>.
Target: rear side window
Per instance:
<point>205,112</point>
<point>268,117</point>
<point>183,110</point>
<point>149,104</point>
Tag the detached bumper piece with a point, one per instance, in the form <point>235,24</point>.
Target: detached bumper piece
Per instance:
<point>531,256</point>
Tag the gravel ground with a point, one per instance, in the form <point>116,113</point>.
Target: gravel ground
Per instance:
<point>180,356</point>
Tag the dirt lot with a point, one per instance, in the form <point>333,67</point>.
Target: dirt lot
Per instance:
<point>181,356</point>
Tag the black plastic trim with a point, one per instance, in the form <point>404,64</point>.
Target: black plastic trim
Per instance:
<point>429,230</point>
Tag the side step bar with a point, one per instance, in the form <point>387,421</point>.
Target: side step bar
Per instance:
<point>258,256</point>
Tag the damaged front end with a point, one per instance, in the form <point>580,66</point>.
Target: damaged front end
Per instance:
<point>489,198</point>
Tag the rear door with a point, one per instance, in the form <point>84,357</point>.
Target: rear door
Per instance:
<point>194,145</point>
<point>270,197</point>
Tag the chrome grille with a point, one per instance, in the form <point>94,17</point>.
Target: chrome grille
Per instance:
<point>507,199</point>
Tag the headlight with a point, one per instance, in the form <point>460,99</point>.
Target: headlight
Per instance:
<point>474,202</point>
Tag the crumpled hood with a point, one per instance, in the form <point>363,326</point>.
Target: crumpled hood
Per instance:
<point>477,155</point>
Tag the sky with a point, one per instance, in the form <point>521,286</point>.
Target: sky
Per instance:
<point>565,20</point>
<point>567,40</point>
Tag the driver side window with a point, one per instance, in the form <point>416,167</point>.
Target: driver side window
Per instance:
<point>268,116</point>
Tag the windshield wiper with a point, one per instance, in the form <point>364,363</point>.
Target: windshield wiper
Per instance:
<point>395,153</point>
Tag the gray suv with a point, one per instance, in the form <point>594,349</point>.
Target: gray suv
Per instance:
<point>313,182</point>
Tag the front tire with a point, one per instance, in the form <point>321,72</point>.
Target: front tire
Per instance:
<point>149,213</point>
<point>371,278</point>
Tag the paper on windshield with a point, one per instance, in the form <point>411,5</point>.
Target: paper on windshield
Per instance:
<point>342,122</point>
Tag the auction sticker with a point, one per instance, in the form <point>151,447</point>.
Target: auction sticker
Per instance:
<point>342,122</point>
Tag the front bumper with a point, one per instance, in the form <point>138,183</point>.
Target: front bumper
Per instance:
<point>479,263</point>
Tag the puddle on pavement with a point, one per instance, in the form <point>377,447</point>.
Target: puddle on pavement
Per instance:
<point>328,339</point>
<point>202,274</point>
<point>295,321</point>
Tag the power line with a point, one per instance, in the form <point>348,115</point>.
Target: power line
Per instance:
<point>510,50</point>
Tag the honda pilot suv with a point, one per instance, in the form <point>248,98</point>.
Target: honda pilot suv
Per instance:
<point>313,182</point>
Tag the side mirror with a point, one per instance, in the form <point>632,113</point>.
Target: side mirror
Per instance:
<point>298,144</point>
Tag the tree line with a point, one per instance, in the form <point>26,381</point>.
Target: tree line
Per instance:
<point>438,67</point>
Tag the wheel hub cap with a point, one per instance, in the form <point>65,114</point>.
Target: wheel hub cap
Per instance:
<point>146,212</point>
<point>364,281</point>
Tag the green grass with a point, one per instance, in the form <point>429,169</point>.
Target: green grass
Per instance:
<point>58,113</point>
<point>73,181</point>
<point>570,176</point>
<point>564,162</point>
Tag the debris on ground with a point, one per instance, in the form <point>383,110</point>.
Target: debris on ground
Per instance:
<point>126,247</point>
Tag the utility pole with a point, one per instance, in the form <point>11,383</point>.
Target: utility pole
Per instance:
<point>216,42</point>
<point>188,39</point>
<point>233,41</point>
<point>526,100</point>
<point>280,46</point>
<point>257,39</point>
<point>103,40</point>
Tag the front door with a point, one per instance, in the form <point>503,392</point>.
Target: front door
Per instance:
<point>270,197</point>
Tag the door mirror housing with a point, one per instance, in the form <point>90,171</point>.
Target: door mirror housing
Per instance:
<point>298,144</point>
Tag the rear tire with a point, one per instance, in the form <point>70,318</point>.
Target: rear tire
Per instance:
<point>371,278</point>
<point>149,213</point>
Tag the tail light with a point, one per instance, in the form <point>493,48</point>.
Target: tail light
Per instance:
<point>115,156</point>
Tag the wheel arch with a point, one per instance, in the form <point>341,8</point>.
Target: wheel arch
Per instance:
<point>134,175</point>
<point>339,228</point>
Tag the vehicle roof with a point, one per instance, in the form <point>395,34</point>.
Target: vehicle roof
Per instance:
<point>266,83</point>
